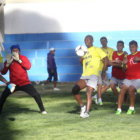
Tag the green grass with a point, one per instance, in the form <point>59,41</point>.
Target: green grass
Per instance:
<point>21,119</point>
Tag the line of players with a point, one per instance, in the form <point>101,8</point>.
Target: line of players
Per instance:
<point>125,74</point>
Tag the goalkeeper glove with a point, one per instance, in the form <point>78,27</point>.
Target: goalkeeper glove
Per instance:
<point>9,60</point>
<point>16,57</point>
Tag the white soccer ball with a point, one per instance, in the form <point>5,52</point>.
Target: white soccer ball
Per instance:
<point>81,50</point>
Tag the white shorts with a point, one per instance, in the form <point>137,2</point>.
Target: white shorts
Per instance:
<point>91,81</point>
<point>116,81</point>
<point>135,83</point>
<point>105,82</point>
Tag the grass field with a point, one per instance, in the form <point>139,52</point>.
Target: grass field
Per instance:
<point>21,119</point>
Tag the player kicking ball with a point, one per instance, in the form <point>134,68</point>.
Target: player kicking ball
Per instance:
<point>91,62</point>
<point>132,81</point>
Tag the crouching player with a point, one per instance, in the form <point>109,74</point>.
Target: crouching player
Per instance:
<point>118,75</point>
<point>132,80</point>
<point>91,62</point>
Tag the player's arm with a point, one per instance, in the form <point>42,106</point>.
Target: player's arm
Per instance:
<point>136,59</point>
<point>124,64</point>
<point>81,60</point>
<point>106,62</point>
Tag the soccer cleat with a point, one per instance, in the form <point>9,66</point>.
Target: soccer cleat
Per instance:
<point>56,89</point>
<point>95,99</point>
<point>43,112</point>
<point>11,87</point>
<point>118,112</point>
<point>130,112</point>
<point>84,115</point>
<point>100,103</point>
<point>83,109</point>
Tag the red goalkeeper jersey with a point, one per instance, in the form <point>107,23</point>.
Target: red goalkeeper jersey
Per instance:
<point>133,68</point>
<point>117,72</point>
<point>18,72</point>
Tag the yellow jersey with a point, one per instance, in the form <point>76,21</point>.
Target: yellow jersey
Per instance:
<point>109,53</point>
<point>92,60</point>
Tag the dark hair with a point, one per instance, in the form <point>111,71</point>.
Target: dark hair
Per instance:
<point>15,46</point>
<point>133,42</point>
<point>120,41</point>
<point>89,36</point>
<point>103,38</point>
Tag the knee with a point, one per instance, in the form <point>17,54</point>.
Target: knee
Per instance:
<point>75,90</point>
<point>131,90</point>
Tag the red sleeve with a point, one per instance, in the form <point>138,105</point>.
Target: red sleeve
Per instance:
<point>113,56</point>
<point>5,69</point>
<point>25,62</point>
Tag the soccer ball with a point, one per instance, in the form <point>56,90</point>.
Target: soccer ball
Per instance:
<point>81,50</point>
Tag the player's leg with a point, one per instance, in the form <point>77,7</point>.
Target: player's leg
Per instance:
<point>33,92</point>
<point>81,84</point>
<point>113,83</point>
<point>3,97</point>
<point>91,85</point>
<point>123,90</point>
<point>89,97</point>
<point>132,95</point>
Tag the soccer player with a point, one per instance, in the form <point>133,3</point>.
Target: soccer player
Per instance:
<point>91,62</point>
<point>118,75</point>
<point>132,81</point>
<point>52,69</point>
<point>18,65</point>
<point>109,52</point>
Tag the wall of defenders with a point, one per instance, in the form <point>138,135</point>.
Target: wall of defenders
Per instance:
<point>95,62</point>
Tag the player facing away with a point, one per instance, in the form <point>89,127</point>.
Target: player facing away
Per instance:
<point>91,62</point>
<point>18,65</point>
<point>132,81</point>
<point>103,85</point>
<point>118,74</point>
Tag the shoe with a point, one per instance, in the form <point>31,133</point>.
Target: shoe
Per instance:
<point>84,115</point>
<point>83,109</point>
<point>56,89</point>
<point>130,112</point>
<point>43,112</point>
<point>11,87</point>
<point>101,103</point>
<point>95,99</point>
<point>118,112</point>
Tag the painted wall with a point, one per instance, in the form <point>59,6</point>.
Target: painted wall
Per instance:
<point>63,25</point>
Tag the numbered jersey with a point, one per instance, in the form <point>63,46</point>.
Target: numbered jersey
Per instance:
<point>92,61</point>
<point>133,68</point>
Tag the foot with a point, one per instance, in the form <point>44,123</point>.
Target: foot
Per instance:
<point>95,99</point>
<point>43,112</point>
<point>56,89</point>
<point>100,103</point>
<point>84,115</point>
<point>118,112</point>
<point>130,112</point>
<point>83,109</point>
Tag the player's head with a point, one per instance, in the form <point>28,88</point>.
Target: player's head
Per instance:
<point>103,41</point>
<point>15,48</point>
<point>52,50</point>
<point>133,46</point>
<point>89,41</point>
<point>120,45</point>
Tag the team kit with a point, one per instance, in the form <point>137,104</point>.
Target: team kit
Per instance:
<point>95,62</point>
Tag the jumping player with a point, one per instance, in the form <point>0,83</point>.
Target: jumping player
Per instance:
<point>91,62</point>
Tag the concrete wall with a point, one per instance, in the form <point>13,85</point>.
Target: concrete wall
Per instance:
<point>63,25</point>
